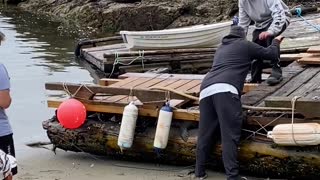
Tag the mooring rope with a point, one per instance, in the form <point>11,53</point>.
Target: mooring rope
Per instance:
<point>117,61</point>
<point>293,104</point>
<point>66,89</point>
<point>299,12</point>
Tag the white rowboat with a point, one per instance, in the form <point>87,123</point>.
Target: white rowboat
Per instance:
<point>187,37</point>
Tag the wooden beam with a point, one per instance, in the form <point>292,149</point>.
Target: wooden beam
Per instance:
<point>314,49</point>
<point>160,52</point>
<point>308,107</point>
<point>310,60</point>
<point>108,81</point>
<point>249,87</point>
<point>180,114</point>
<point>87,91</point>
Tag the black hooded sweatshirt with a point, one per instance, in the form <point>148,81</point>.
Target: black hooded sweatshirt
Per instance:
<point>232,60</point>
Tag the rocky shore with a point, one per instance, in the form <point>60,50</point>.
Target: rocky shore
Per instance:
<point>115,15</point>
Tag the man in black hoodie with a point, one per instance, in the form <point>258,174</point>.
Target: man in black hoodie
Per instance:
<point>220,104</point>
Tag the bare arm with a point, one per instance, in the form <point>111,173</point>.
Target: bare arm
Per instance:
<point>8,177</point>
<point>5,99</point>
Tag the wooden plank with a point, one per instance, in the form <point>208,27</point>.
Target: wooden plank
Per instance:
<point>149,75</point>
<point>123,82</point>
<point>178,114</point>
<point>178,84</point>
<point>166,82</point>
<point>108,81</point>
<point>263,90</point>
<point>310,60</point>
<point>249,87</point>
<point>135,83</point>
<point>195,89</point>
<point>289,57</point>
<point>152,82</point>
<point>314,49</point>
<point>182,76</point>
<point>189,85</point>
<point>310,108</point>
<point>107,48</point>
<point>142,94</point>
<point>307,87</point>
<point>297,82</point>
<point>163,76</point>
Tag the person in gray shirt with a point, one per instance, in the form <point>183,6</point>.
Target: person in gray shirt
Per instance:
<point>6,135</point>
<point>271,18</point>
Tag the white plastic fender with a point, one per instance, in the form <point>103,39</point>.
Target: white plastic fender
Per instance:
<point>128,126</point>
<point>300,134</point>
<point>163,127</point>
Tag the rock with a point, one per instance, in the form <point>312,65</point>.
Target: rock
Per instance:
<point>116,15</point>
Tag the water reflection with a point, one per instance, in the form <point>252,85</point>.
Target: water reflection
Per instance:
<point>36,51</point>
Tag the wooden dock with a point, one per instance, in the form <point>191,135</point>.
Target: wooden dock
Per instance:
<point>116,59</point>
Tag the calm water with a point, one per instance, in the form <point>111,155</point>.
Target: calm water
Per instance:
<point>35,52</point>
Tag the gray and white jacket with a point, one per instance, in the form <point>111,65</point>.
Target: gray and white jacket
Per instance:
<point>271,14</point>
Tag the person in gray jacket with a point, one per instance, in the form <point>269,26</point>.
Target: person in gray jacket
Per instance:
<point>271,18</point>
<point>220,105</point>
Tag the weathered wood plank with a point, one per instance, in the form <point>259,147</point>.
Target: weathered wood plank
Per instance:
<point>310,108</point>
<point>308,87</point>
<point>310,60</point>
<point>142,94</point>
<point>163,76</point>
<point>149,75</point>
<point>297,82</point>
<point>152,82</point>
<point>108,81</point>
<point>166,82</point>
<point>179,114</point>
<point>124,82</point>
<point>178,84</point>
<point>263,90</point>
<point>135,83</point>
<point>314,49</point>
<point>188,85</point>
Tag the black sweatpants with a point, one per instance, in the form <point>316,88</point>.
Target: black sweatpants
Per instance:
<point>257,65</point>
<point>220,110</point>
<point>7,146</point>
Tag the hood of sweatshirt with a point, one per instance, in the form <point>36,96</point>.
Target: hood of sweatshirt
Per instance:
<point>236,33</point>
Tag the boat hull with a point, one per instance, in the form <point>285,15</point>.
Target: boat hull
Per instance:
<point>191,37</point>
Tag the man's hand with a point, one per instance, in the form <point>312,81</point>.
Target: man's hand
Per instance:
<point>264,35</point>
<point>279,38</point>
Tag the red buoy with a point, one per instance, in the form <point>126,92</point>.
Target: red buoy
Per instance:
<point>71,114</point>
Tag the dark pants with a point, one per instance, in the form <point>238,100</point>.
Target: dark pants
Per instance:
<point>257,65</point>
<point>7,146</point>
<point>220,110</point>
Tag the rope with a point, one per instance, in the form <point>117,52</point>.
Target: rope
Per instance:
<point>263,127</point>
<point>66,89</point>
<point>293,103</point>
<point>117,61</point>
<point>299,11</point>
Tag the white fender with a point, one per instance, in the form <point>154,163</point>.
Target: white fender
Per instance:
<point>128,126</point>
<point>299,134</point>
<point>163,127</point>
